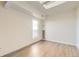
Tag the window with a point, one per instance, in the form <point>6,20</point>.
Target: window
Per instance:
<point>35,28</point>
<point>35,25</point>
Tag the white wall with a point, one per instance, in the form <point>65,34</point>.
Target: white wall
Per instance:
<point>15,30</point>
<point>77,31</point>
<point>61,27</point>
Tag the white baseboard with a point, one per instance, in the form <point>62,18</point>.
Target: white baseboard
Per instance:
<point>62,42</point>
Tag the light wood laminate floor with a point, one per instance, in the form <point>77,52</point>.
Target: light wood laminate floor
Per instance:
<point>47,49</point>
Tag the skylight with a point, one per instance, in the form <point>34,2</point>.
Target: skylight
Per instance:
<point>50,4</point>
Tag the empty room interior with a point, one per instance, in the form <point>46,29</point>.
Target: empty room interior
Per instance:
<point>39,28</point>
